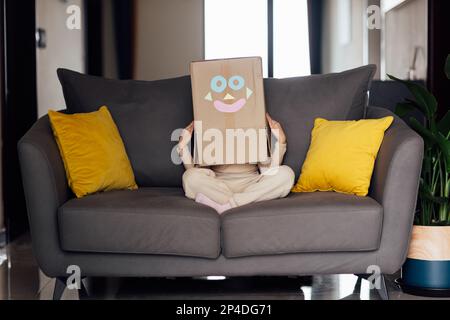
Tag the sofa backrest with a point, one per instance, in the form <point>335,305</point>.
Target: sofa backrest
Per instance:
<point>148,112</point>
<point>297,102</point>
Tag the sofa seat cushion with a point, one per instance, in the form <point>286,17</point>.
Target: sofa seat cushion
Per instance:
<point>303,223</point>
<point>146,221</point>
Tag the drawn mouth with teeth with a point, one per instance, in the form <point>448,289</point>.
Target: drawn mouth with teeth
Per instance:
<point>229,103</point>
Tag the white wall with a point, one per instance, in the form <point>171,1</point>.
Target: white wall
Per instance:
<point>65,48</point>
<point>338,54</point>
<point>373,42</point>
<point>406,27</point>
<point>169,36</point>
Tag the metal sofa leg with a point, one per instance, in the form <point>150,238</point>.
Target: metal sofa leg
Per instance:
<point>83,293</point>
<point>60,287</point>
<point>382,289</point>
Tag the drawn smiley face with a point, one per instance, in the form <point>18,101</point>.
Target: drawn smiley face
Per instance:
<point>228,101</point>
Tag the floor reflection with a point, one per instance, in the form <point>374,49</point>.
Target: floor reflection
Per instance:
<point>20,278</point>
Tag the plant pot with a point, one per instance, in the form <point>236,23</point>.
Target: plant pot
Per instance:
<point>427,269</point>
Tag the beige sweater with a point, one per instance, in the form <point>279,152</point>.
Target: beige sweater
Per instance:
<point>276,160</point>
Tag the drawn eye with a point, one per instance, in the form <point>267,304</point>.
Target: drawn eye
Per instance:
<point>236,83</point>
<point>218,84</point>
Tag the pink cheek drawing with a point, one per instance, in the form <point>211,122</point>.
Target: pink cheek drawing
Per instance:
<point>229,108</point>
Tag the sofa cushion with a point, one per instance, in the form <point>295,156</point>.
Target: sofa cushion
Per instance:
<point>342,156</point>
<point>146,221</point>
<point>93,153</point>
<point>306,222</point>
<point>146,113</point>
<point>297,102</point>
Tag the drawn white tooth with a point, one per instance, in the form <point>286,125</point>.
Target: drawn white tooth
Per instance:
<point>209,97</point>
<point>249,93</point>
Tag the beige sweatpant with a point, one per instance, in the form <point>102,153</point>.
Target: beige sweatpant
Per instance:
<point>239,188</point>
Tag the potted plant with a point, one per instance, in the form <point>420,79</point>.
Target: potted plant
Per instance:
<point>427,269</point>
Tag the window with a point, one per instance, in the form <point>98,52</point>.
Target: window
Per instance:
<point>388,5</point>
<point>237,28</point>
<point>291,38</point>
<point>232,32</point>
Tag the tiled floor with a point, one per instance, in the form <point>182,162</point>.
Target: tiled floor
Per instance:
<point>20,278</point>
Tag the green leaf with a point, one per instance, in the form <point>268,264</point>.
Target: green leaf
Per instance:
<point>426,134</point>
<point>425,193</point>
<point>425,100</point>
<point>444,124</point>
<point>444,145</point>
<point>404,108</point>
<point>447,67</point>
<point>427,166</point>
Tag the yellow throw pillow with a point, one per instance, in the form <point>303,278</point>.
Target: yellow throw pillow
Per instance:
<point>93,152</point>
<point>342,156</point>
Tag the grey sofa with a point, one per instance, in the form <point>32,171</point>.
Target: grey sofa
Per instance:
<point>157,232</point>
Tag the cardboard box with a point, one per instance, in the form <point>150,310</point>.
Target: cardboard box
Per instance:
<point>229,112</point>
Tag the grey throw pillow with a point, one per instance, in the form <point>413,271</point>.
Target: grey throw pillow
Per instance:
<point>146,113</point>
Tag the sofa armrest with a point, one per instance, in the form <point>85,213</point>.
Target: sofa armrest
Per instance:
<point>46,189</point>
<point>395,186</point>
